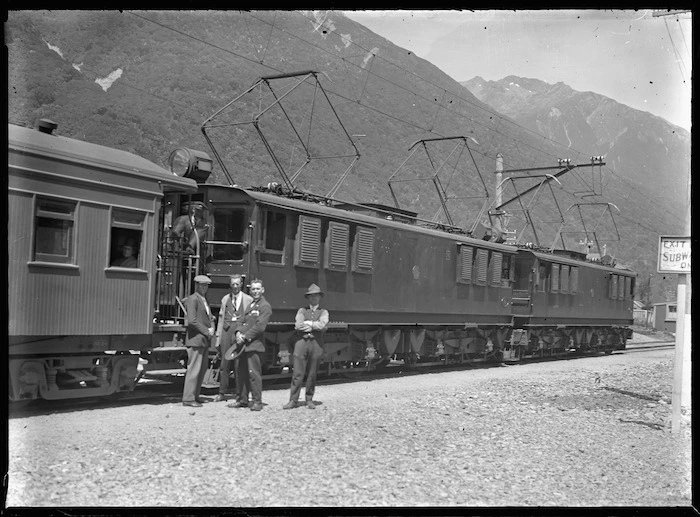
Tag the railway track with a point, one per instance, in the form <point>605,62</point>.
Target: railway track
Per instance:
<point>164,390</point>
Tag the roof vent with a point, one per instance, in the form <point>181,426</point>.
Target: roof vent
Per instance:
<point>46,126</point>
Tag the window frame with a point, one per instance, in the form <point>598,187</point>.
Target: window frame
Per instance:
<point>72,217</point>
<point>337,234</point>
<point>481,264</point>
<point>554,284</point>
<point>308,237</point>
<point>357,240</point>
<point>469,258</point>
<point>262,238</point>
<point>131,227</point>
<point>224,207</point>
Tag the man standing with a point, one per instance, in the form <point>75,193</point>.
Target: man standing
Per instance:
<point>311,322</point>
<point>233,305</point>
<point>200,329</point>
<point>250,330</point>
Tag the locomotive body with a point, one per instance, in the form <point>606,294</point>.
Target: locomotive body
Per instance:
<point>393,288</point>
<point>73,316</point>
<point>562,301</point>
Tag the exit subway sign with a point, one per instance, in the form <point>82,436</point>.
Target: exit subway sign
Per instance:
<point>674,255</point>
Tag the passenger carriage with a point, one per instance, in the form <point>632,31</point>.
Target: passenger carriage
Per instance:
<point>73,317</point>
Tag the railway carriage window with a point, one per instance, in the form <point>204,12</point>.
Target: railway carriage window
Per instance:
<point>464,265</point>
<point>496,267</point>
<point>481,264</point>
<point>564,282</point>
<point>273,237</point>
<point>363,251</point>
<point>53,231</point>
<point>573,280</point>
<point>554,284</point>
<point>229,233</point>
<point>612,293</point>
<point>126,236</point>
<point>336,249</point>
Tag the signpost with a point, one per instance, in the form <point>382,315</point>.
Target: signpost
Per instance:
<point>674,257</point>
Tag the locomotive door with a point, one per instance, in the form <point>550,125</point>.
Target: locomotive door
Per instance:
<point>228,245</point>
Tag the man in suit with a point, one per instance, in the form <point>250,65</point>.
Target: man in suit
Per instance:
<point>250,330</point>
<point>310,323</point>
<point>200,330</point>
<point>233,305</point>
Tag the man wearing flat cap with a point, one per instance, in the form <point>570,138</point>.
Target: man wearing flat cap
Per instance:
<point>200,329</point>
<point>310,323</point>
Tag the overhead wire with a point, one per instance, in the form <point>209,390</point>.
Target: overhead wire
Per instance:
<point>375,109</point>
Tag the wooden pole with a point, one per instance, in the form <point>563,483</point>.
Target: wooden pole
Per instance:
<point>678,358</point>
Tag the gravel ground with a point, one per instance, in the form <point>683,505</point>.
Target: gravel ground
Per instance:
<point>590,431</point>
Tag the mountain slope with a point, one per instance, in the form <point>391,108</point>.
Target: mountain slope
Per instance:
<point>146,81</point>
<point>639,146</point>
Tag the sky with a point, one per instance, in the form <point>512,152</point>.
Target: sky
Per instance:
<point>636,58</point>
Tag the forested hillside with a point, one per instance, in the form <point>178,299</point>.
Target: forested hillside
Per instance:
<point>146,81</point>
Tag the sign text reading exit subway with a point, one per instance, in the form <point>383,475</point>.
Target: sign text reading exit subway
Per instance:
<point>674,255</point>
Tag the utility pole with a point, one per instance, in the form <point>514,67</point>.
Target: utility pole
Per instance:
<point>682,357</point>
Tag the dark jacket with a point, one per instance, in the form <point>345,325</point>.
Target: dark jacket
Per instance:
<point>198,322</point>
<point>252,324</point>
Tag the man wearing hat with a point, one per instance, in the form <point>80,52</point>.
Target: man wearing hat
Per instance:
<point>191,228</point>
<point>200,330</point>
<point>311,324</point>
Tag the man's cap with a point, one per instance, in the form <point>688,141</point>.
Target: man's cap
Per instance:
<point>202,279</point>
<point>313,289</point>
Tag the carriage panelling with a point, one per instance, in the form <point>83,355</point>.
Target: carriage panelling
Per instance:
<point>82,296</point>
<point>409,266</point>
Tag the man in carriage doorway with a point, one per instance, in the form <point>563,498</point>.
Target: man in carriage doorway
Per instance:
<point>233,306</point>
<point>189,232</point>
<point>190,229</point>
<point>311,322</point>
<point>200,330</point>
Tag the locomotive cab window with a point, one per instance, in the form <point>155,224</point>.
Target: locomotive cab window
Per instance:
<point>229,233</point>
<point>126,238</point>
<point>54,231</point>
<point>273,237</point>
